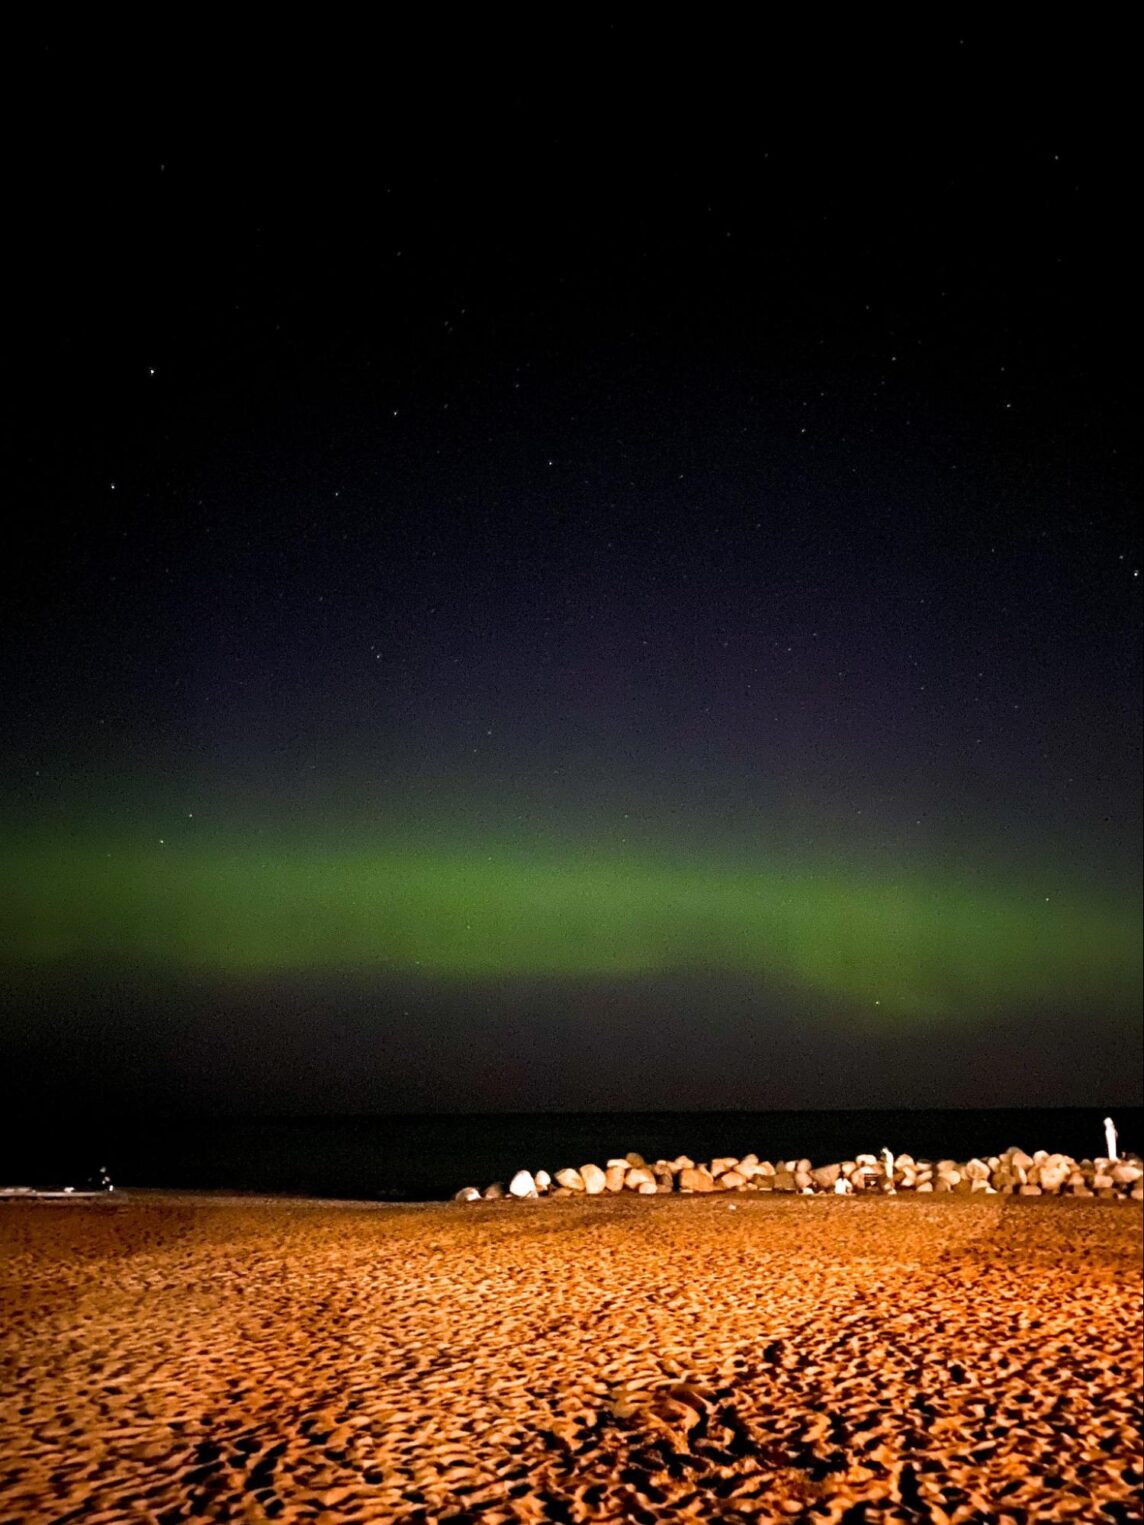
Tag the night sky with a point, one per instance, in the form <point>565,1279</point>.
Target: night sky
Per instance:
<point>550,566</point>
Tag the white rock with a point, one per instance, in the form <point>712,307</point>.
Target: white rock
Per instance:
<point>522,1185</point>
<point>594,1179</point>
<point>543,1180</point>
<point>572,1179</point>
<point>467,1194</point>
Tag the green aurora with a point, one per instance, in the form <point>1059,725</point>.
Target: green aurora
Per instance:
<point>895,944</point>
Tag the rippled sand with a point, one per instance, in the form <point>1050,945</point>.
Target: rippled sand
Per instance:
<point>815,1359</point>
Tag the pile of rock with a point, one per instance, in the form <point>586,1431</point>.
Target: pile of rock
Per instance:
<point>1012,1173</point>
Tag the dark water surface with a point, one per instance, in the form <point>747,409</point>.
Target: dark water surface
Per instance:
<point>421,1158</point>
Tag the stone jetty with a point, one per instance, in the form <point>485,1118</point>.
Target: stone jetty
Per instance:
<point>1014,1173</point>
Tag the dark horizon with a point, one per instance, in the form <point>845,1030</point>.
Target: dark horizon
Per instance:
<point>573,578</point>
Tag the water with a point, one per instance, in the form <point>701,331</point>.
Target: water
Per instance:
<point>425,1158</point>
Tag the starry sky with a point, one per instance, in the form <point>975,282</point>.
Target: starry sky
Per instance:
<point>555,568</point>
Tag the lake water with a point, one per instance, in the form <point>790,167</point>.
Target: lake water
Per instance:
<point>424,1158</point>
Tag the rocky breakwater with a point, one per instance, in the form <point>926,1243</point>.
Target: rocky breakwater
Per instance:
<point>1013,1173</point>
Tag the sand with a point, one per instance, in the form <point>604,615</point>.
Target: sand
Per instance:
<point>816,1359</point>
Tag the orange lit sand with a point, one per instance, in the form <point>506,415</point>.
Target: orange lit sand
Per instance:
<point>640,1359</point>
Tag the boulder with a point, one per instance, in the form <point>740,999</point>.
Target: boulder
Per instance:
<point>647,1188</point>
<point>732,1180</point>
<point>614,1177</point>
<point>636,1160</point>
<point>663,1175</point>
<point>593,1178</point>
<point>494,1192</point>
<point>1030,1191</point>
<point>976,1170</point>
<point>784,1180</point>
<point>1124,1173</point>
<point>721,1166</point>
<point>467,1194</point>
<point>543,1180</point>
<point>1054,1172</point>
<point>696,1179</point>
<point>681,1162</point>
<point>803,1179</point>
<point>522,1185</point>
<point>639,1176</point>
<point>1102,1182</point>
<point>825,1176</point>
<point>571,1180</point>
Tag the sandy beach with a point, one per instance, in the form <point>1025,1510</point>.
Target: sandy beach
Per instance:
<point>168,1358</point>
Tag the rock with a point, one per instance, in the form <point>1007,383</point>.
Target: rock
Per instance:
<point>493,1193</point>
<point>826,1175</point>
<point>663,1175</point>
<point>571,1180</point>
<point>1018,1157</point>
<point>614,1161</point>
<point>522,1185</point>
<point>1054,1172</point>
<point>593,1178</point>
<point>732,1180</point>
<point>561,1191</point>
<point>640,1176</point>
<point>1138,1193</point>
<point>748,1163</point>
<point>765,1168</point>
<point>681,1162</point>
<point>636,1160</point>
<point>722,1165</point>
<point>924,1186</point>
<point>696,1179</point>
<point>1125,1172</point>
<point>467,1194</point>
<point>1102,1182</point>
<point>976,1170</point>
<point>784,1180</point>
<point>1030,1191</point>
<point>647,1188</point>
<point>543,1180</point>
<point>842,1187</point>
<point>804,1180</point>
<point>865,1159</point>
<point>614,1176</point>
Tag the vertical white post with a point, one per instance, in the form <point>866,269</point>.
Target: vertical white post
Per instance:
<point>889,1160</point>
<point>1110,1139</point>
